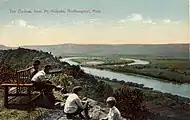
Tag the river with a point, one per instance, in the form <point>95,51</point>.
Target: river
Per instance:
<point>175,89</point>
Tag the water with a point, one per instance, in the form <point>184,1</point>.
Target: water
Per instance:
<point>136,62</point>
<point>94,62</point>
<point>176,89</point>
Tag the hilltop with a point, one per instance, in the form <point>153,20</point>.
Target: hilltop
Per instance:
<point>3,47</point>
<point>21,58</point>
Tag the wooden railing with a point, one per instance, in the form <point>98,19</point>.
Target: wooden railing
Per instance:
<point>24,76</point>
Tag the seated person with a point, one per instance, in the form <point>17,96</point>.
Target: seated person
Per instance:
<point>114,113</point>
<point>35,68</point>
<point>42,83</point>
<point>74,106</point>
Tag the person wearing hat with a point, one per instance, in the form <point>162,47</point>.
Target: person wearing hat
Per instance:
<point>35,67</point>
<point>74,105</point>
<point>42,83</point>
<point>114,113</point>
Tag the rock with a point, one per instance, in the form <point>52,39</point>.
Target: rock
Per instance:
<point>96,111</point>
<point>54,115</point>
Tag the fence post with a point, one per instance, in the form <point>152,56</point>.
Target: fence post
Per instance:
<point>6,96</point>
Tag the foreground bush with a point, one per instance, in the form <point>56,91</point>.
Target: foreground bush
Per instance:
<point>130,103</point>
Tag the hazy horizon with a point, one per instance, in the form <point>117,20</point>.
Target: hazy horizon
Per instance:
<point>102,22</point>
<point>93,44</point>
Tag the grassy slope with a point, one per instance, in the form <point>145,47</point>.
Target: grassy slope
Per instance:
<point>7,114</point>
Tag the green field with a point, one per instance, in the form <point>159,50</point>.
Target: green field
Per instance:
<point>172,70</point>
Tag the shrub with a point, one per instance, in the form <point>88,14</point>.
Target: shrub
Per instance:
<point>130,103</point>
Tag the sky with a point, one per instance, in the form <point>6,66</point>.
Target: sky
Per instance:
<point>45,22</point>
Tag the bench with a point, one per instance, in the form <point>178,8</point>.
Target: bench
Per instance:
<point>20,86</point>
<point>7,94</point>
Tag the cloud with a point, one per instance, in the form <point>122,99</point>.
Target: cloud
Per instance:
<point>148,22</point>
<point>20,23</point>
<point>136,17</point>
<point>122,21</point>
<point>30,26</point>
<point>146,30</point>
<point>93,20</point>
<point>86,22</point>
<point>167,21</point>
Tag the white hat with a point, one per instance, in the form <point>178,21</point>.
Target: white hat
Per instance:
<point>109,99</point>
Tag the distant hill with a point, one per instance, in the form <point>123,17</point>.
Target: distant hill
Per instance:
<point>166,50</point>
<point>3,47</point>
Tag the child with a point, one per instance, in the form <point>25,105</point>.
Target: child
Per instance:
<point>74,106</point>
<point>114,113</point>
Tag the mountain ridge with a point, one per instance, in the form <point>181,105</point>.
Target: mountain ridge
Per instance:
<point>165,50</point>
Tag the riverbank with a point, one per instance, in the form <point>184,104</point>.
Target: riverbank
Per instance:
<point>118,83</point>
<point>160,74</point>
<point>134,72</point>
<point>159,85</point>
<point>128,73</point>
<point>167,70</point>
